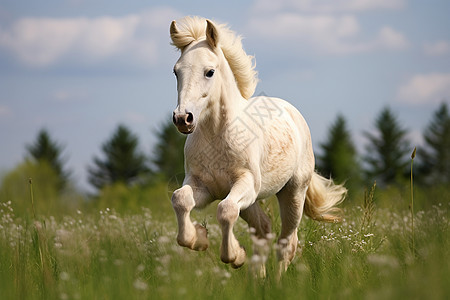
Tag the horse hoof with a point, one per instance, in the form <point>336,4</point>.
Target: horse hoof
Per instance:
<point>202,243</point>
<point>240,259</point>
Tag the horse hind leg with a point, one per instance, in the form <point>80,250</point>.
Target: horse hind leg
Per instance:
<point>257,219</point>
<point>259,222</point>
<point>291,201</point>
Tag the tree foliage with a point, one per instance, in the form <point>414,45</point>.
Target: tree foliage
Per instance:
<point>123,162</point>
<point>15,187</point>
<point>339,156</point>
<point>388,149</point>
<point>44,149</point>
<point>436,154</point>
<point>169,151</point>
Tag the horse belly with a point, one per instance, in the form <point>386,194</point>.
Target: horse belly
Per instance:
<point>280,158</point>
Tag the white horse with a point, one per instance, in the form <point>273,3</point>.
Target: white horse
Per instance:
<point>240,149</point>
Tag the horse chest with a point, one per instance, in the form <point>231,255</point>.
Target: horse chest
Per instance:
<point>217,180</point>
<point>214,168</point>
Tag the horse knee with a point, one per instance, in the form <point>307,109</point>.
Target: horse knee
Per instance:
<point>182,199</point>
<point>227,212</point>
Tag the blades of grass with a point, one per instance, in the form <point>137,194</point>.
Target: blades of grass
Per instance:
<point>413,154</point>
<point>30,182</point>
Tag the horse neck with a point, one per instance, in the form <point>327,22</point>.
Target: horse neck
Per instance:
<point>225,105</point>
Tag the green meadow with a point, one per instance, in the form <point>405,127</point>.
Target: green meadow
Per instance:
<point>109,250</point>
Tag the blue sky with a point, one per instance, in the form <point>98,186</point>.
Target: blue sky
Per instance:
<point>79,68</point>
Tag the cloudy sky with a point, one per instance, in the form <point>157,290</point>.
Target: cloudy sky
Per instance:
<point>79,67</point>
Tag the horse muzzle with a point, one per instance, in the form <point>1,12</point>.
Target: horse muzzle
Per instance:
<point>184,122</point>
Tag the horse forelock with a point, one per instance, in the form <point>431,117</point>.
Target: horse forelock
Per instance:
<point>191,29</point>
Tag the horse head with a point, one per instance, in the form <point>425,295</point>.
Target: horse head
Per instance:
<point>197,73</point>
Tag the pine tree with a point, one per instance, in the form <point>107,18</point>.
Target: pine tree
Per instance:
<point>339,157</point>
<point>169,151</point>
<point>388,150</point>
<point>44,149</point>
<point>436,154</point>
<point>123,161</point>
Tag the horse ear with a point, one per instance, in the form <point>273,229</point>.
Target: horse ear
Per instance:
<point>173,30</point>
<point>212,35</point>
<point>178,39</point>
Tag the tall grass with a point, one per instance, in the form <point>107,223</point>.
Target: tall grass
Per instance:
<point>98,253</point>
<point>413,155</point>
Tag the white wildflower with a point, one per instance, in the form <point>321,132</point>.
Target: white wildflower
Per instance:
<point>140,268</point>
<point>63,296</point>
<point>163,239</point>
<point>118,262</point>
<point>64,276</point>
<point>255,259</point>
<point>140,285</point>
<point>270,236</point>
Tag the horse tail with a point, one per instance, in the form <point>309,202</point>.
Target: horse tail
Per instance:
<point>322,197</point>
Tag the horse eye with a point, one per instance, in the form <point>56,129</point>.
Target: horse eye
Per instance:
<point>210,73</point>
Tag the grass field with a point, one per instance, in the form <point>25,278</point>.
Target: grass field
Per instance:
<point>102,254</point>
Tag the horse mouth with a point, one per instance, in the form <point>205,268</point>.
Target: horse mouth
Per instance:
<point>186,129</point>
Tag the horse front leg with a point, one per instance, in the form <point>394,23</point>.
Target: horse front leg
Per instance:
<point>242,195</point>
<point>190,235</point>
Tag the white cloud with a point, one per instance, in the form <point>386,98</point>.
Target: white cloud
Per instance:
<point>68,95</point>
<point>135,118</point>
<point>61,96</point>
<point>327,6</point>
<point>368,5</point>
<point>4,111</point>
<point>425,88</point>
<point>323,33</point>
<point>291,25</point>
<point>325,26</point>
<point>438,48</point>
<point>389,38</point>
<point>319,31</point>
<point>46,41</point>
<point>415,136</point>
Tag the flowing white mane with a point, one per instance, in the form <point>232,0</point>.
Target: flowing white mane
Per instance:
<point>194,29</point>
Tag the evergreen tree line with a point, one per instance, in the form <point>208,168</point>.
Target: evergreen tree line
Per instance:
<point>386,158</point>
<point>388,152</point>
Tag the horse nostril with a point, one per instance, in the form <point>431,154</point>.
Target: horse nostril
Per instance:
<point>189,118</point>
